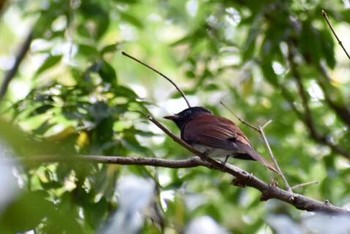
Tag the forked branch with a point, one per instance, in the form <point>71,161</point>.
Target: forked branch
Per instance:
<point>243,178</point>
<point>260,130</point>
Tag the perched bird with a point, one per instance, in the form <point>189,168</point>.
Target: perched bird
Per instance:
<point>215,136</point>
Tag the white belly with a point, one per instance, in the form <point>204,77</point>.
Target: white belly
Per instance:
<point>214,152</point>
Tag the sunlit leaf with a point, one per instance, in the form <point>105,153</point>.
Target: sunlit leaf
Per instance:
<point>49,63</point>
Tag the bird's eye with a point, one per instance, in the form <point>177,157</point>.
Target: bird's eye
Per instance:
<point>188,112</point>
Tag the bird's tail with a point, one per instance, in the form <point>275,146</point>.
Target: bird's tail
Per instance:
<point>269,165</point>
<point>255,156</point>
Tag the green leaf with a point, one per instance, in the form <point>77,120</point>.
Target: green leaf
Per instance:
<point>95,212</point>
<point>123,91</point>
<point>250,41</point>
<point>269,73</point>
<point>110,48</point>
<point>327,45</point>
<point>27,212</point>
<point>108,73</point>
<point>97,16</point>
<point>88,50</point>
<point>49,63</point>
<point>41,109</point>
<point>131,19</point>
<point>44,127</point>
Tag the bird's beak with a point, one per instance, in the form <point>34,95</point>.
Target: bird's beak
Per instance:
<point>171,117</point>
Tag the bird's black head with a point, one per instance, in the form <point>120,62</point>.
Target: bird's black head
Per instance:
<point>183,117</point>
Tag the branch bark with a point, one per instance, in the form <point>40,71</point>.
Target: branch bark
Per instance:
<point>19,58</point>
<point>121,160</point>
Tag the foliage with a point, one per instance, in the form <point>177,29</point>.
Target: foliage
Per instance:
<point>75,94</point>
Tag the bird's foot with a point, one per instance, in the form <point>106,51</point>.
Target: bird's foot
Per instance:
<point>225,161</point>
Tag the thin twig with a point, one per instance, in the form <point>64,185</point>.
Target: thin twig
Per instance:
<point>324,13</point>
<point>265,124</point>
<point>304,184</point>
<point>240,119</point>
<point>262,133</point>
<point>19,58</point>
<point>159,73</point>
<point>307,116</point>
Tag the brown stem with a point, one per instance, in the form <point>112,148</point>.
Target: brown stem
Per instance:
<point>324,13</point>
<point>240,119</point>
<point>262,133</point>
<point>19,58</point>
<point>121,160</point>
<point>161,74</point>
<point>304,184</point>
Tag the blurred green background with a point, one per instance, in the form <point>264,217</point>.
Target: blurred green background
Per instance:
<point>74,93</point>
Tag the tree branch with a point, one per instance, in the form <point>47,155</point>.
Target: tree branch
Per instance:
<point>121,160</point>
<point>340,108</point>
<point>19,58</point>
<point>306,115</point>
<point>262,133</point>
<point>243,178</point>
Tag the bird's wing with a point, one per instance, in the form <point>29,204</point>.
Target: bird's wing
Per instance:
<point>215,132</point>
